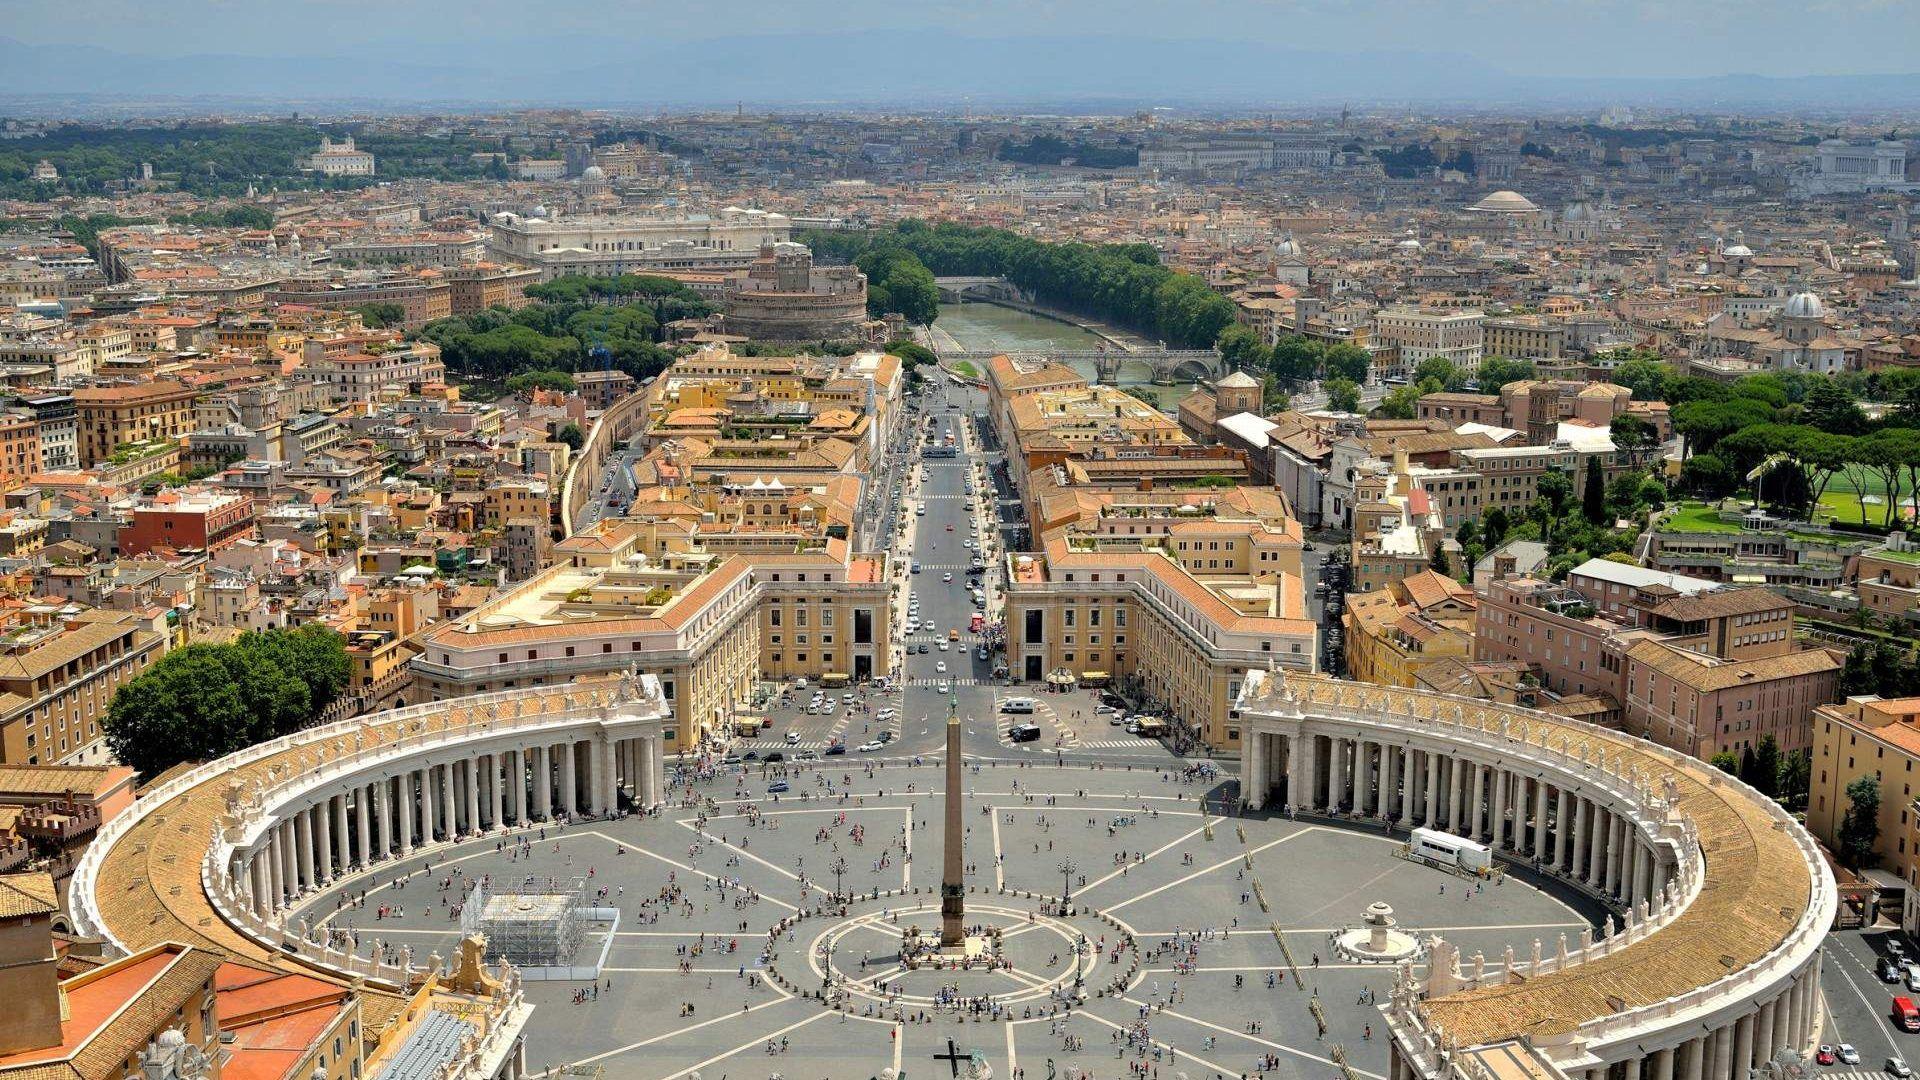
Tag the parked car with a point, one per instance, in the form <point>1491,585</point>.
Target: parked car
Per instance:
<point>1847,1053</point>
<point>1824,1055</point>
<point>870,747</point>
<point>1897,1067</point>
<point>836,749</point>
<point>778,787</point>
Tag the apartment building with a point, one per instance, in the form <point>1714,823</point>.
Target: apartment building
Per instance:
<point>186,519</point>
<point>1868,735</point>
<point>1419,334</point>
<point>1525,337</point>
<point>59,668</point>
<point>1705,705</point>
<point>347,375</point>
<point>112,416</point>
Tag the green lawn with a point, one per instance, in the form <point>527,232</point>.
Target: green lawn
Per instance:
<point>1696,517</point>
<point>966,370</point>
<point>1841,501</point>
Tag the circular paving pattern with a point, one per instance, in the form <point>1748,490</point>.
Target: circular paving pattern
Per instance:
<point>726,944</point>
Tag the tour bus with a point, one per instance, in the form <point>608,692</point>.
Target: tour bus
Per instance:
<point>1150,727</point>
<point>1449,850</point>
<point>1905,1015</point>
<point>1017,705</point>
<point>976,623</point>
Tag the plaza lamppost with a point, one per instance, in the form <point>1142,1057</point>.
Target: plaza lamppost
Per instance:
<point>839,869</point>
<point>1067,869</point>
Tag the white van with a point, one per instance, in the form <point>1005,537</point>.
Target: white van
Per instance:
<point>1021,705</point>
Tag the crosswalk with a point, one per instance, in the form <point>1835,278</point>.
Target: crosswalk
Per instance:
<point>1121,744</point>
<point>1853,1072</point>
<point>947,680</point>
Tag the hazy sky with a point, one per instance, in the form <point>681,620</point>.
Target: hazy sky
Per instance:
<point>1533,37</point>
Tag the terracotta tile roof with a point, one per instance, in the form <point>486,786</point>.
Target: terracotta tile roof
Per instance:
<point>1707,674</point>
<point>27,894</point>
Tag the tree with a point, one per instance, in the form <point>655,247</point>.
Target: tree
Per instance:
<point>1726,761</point>
<point>1494,526</point>
<point>1640,372</point>
<point>1633,434</point>
<point>1440,370</point>
<point>204,701</point>
<point>1343,395</point>
<point>1859,830</point>
<point>1832,409</point>
<point>1556,488</point>
<point>1766,767</point>
<point>1593,501</point>
<point>1440,563</point>
<point>381,314</point>
<point>897,281</point>
<point>1796,779</point>
<point>912,352</point>
<point>572,436</point>
<point>1347,362</point>
<point>547,379</point>
<point>1497,371</point>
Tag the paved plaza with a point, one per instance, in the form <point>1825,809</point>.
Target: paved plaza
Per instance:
<point>1179,927</point>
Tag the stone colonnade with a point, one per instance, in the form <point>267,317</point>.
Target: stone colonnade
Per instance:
<point>444,795</point>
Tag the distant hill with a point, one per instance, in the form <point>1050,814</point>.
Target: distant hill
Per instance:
<point>890,67</point>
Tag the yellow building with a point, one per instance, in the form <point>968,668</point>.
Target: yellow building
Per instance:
<point>1420,620</point>
<point>1871,736</point>
<point>1175,595</point>
<point>709,611</point>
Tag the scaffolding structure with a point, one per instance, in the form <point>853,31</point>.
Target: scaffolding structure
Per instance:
<point>529,926</point>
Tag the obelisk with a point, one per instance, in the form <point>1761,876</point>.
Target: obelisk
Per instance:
<point>953,887</point>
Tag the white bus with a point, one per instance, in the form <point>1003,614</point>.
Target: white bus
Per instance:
<point>1449,850</point>
<point>1018,705</point>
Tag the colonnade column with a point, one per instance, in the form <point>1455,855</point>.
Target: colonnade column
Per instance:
<point>1497,826</point>
<point>363,820</point>
<point>403,810</point>
<point>569,792</point>
<point>517,786</point>
<point>1579,867</point>
<point>473,795</point>
<point>1766,1033</point>
<point>1476,804</point>
<point>1562,831</point>
<point>429,804</point>
<point>302,852</point>
<point>342,837</point>
<point>382,821</point>
<point>1663,1064</point>
<point>1457,783</point>
<point>1693,1058</point>
<point>496,797</point>
<point>1742,1046</point>
<point>1392,804</point>
<point>542,784</point>
<point>1540,820</point>
<point>1433,788</point>
<point>322,813</point>
<point>262,884</point>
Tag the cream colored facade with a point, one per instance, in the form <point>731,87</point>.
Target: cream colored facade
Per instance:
<point>1180,606</point>
<point>649,595</point>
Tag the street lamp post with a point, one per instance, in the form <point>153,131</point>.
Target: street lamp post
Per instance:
<point>839,871</point>
<point>1067,870</point>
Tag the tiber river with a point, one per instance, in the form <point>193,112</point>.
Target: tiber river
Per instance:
<point>990,328</point>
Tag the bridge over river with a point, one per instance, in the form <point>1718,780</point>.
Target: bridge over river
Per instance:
<point>1169,366</point>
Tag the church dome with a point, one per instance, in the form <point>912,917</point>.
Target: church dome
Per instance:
<point>593,174</point>
<point>1804,305</point>
<point>1505,202</point>
<point>1287,246</point>
<point>1737,251</point>
<point>1577,212</point>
